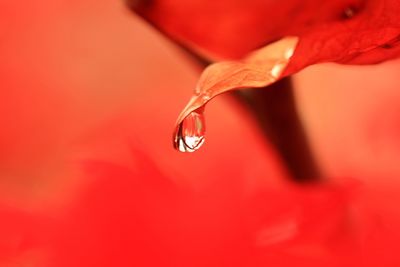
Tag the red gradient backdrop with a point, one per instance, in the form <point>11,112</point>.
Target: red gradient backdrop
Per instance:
<point>89,95</point>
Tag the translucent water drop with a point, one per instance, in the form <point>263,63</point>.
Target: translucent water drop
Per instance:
<point>260,68</point>
<point>189,134</point>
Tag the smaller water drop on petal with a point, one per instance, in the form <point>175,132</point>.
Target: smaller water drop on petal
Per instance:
<point>189,134</point>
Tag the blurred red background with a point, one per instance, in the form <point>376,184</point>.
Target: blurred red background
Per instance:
<point>88,176</point>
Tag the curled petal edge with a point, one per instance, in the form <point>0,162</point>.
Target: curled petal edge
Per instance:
<point>259,69</point>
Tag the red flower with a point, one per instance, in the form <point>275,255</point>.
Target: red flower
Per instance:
<point>345,31</point>
<point>88,174</point>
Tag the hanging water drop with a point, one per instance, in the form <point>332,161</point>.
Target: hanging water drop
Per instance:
<point>260,68</point>
<point>189,134</point>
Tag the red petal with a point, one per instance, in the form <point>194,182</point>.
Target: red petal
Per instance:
<point>370,37</point>
<point>338,30</point>
<point>259,69</point>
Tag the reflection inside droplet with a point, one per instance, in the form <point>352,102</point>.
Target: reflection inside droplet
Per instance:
<point>189,135</point>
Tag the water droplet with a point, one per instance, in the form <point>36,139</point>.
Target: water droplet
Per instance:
<point>261,68</point>
<point>189,135</point>
<point>349,12</point>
